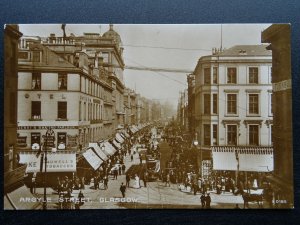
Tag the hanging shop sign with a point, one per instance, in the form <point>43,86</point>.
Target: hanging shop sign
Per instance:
<point>45,127</point>
<point>35,141</point>
<point>56,162</point>
<point>206,169</point>
<point>22,141</point>
<point>61,141</point>
<point>72,141</point>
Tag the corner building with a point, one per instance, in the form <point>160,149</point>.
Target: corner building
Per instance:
<point>68,96</point>
<point>233,107</point>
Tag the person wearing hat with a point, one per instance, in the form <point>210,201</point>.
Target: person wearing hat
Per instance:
<point>207,201</point>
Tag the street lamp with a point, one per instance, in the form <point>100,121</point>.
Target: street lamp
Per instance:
<point>48,138</point>
<point>237,166</point>
<point>196,143</point>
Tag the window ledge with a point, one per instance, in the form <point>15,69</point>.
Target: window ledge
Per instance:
<point>231,115</point>
<point>31,119</point>
<point>61,119</point>
<point>253,115</point>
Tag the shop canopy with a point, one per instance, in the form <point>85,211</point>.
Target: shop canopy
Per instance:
<point>109,148</point>
<point>119,138</point>
<point>132,129</point>
<point>92,158</point>
<point>255,159</point>
<point>126,134</point>
<point>118,145</point>
<point>98,150</point>
<point>123,135</point>
<point>60,161</point>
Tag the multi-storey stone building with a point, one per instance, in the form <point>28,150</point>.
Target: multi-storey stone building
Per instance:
<point>233,107</point>
<point>67,96</point>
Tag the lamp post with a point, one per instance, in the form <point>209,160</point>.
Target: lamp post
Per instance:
<point>49,136</point>
<point>196,143</point>
<point>237,166</point>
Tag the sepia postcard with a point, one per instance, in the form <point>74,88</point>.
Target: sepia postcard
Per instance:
<point>122,116</point>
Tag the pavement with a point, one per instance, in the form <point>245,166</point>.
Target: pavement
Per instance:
<point>155,195</point>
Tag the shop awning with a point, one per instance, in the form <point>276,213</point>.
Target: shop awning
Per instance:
<point>109,148</point>
<point>126,134</point>
<point>133,129</point>
<point>92,158</point>
<point>98,150</point>
<point>255,159</point>
<point>18,199</point>
<point>116,144</point>
<point>119,138</point>
<point>136,128</point>
<point>60,161</point>
<point>123,135</point>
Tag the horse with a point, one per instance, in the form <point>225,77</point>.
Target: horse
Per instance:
<point>252,198</point>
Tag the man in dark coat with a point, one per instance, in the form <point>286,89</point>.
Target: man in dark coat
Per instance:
<point>202,198</point>
<point>115,174</point>
<point>123,168</point>
<point>207,201</point>
<point>145,178</point>
<point>105,180</point>
<point>123,189</point>
<point>127,180</point>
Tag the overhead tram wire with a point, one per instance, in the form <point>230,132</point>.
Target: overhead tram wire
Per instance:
<point>156,71</point>
<point>167,48</point>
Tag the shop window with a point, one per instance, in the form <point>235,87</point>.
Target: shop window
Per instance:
<point>61,140</point>
<point>35,141</point>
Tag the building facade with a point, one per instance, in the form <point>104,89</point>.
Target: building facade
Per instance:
<point>68,96</point>
<point>233,99</point>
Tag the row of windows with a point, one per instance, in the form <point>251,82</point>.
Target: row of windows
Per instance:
<point>231,75</point>
<point>90,111</point>
<point>62,81</point>
<point>231,102</point>
<point>232,134</point>
<point>36,110</point>
<point>91,87</point>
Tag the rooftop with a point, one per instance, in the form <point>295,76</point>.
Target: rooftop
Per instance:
<point>249,50</point>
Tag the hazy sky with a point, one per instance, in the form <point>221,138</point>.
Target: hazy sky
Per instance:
<point>162,46</point>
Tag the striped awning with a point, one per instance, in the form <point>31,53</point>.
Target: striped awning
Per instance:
<point>259,159</point>
<point>109,148</point>
<point>92,158</point>
<point>98,150</point>
<point>119,138</point>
